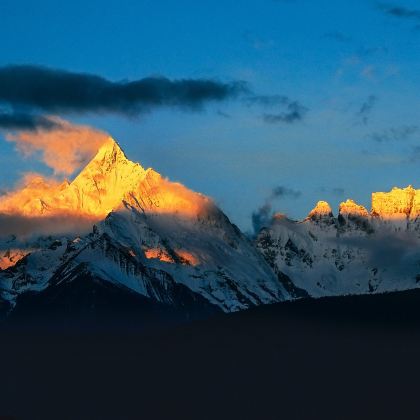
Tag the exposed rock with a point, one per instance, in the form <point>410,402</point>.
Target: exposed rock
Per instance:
<point>396,204</point>
<point>321,209</point>
<point>351,208</point>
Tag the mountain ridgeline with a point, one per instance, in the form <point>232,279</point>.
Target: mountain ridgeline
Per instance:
<point>356,252</point>
<point>122,239</point>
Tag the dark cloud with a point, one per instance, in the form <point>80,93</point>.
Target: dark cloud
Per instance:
<point>280,191</point>
<point>295,112</point>
<point>394,134</point>
<point>263,216</point>
<point>291,111</point>
<point>366,109</point>
<point>60,91</point>
<point>21,121</point>
<point>267,100</point>
<point>399,11</point>
<point>337,36</point>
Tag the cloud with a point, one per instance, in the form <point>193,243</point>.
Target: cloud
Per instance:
<point>267,100</point>
<point>64,147</point>
<point>59,91</point>
<point>263,216</point>
<point>29,93</point>
<point>31,187</point>
<point>399,11</point>
<point>292,111</point>
<point>34,187</point>
<point>394,134</point>
<point>295,112</point>
<point>26,227</point>
<point>366,109</point>
<point>388,250</point>
<point>27,122</point>
<point>280,192</point>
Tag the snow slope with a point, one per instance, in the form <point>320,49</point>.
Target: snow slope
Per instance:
<point>153,235</point>
<point>354,253</point>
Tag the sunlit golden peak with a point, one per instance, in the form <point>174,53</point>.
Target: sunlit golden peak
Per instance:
<point>350,207</point>
<point>107,181</point>
<point>110,148</point>
<point>101,185</point>
<point>398,203</point>
<point>322,208</point>
<point>408,188</point>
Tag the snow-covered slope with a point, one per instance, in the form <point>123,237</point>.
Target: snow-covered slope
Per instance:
<point>357,252</point>
<point>151,236</point>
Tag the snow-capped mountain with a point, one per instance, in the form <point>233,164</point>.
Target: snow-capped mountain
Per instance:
<point>119,231</point>
<point>356,252</point>
<point>148,236</point>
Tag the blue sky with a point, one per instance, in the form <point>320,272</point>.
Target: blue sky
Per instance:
<point>353,65</point>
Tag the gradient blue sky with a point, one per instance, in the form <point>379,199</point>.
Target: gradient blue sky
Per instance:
<point>330,56</point>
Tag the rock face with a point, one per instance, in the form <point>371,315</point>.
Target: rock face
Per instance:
<point>103,183</point>
<point>321,210</point>
<point>10,257</point>
<point>396,204</point>
<point>357,252</point>
<point>350,208</point>
<point>150,236</point>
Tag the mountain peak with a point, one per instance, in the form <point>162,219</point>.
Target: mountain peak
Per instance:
<point>399,203</point>
<point>322,209</point>
<point>110,149</point>
<point>98,189</point>
<point>107,182</point>
<point>351,208</point>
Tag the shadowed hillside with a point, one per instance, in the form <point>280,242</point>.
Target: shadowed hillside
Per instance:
<point>339,358</point>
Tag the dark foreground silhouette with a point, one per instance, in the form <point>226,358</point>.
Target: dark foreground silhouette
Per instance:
<point>338,358</point>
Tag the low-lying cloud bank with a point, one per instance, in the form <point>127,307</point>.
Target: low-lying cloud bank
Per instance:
<point>397,252</point>
<point>24,228</point>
